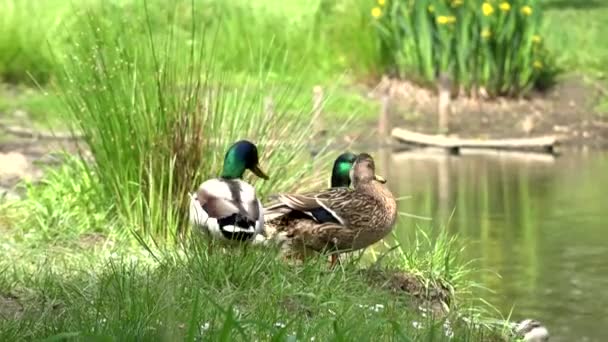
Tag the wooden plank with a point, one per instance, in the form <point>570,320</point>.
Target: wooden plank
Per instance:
<point>545,143</point>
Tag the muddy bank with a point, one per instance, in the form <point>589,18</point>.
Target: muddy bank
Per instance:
<point>569,110</point>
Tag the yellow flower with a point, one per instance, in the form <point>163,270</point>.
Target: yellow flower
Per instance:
<point>526,10</point>
<point>456,3</point>
<point>487,9</point>
<point>431,8</point>
<point>485,33</point>
<point>442,19</point>
<point>536,39</point>
<point>505,6</point>
<point>538,64</point>
<point>381,2</point>
<point>376,12</point>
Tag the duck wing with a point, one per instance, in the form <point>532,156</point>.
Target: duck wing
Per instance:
<point>223,198</point>
<point>328,206</point>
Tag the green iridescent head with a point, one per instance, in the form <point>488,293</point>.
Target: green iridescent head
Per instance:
<point>340,173</point>
<point>241,156</point>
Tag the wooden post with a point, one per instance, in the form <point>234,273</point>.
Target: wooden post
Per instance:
<point>443,105</point>
<point>383,117</point>
<point>443,186</point>
<point>317,109</point>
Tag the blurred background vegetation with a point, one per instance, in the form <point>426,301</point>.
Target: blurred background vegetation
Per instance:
<point>158,89</point>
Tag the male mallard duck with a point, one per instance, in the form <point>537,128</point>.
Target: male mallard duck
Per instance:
<point>338,219</point>
<point>227,208</point>
<point>340,172</point>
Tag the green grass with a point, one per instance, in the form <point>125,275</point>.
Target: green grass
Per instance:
<point>27,106</point>
<point>241,295</point>
<point>66,285</point>
<point>581,45</point>
<point>25,54</point>
<point>68,271</point>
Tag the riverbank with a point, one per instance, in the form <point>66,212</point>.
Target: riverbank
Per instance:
<point>69,275</point>
<point>571,111</point>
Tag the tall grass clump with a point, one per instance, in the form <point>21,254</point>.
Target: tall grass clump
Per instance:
<point>492,46</point>
<point>27,28</point>
<point>143,84</point>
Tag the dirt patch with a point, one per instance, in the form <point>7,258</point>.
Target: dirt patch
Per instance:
<point>568,110</point>
<point>10,307</point>
<point>296,305</point>
<point>91,240</point>
<point>433,298</point>
<point>25,159</point>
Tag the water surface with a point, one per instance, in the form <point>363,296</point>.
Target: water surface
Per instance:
<point>537,221</point>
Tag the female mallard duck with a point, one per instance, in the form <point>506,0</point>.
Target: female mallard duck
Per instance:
<point>227,208</point>
<point>340,177</point>
<point>338,219</point>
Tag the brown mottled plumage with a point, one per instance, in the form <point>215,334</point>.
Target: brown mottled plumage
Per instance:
<point>336,219</point>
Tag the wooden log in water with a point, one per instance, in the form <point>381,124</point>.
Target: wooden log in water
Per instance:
<point>545,144</point>
<point>436,154</point>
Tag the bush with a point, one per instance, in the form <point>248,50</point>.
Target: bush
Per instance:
<point>158,111</point>
<point>494,45</point>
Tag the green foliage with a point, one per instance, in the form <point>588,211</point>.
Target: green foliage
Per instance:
<point>492,45</point>
<point>575,32</point>
<point>63,205</point>
<point>40,106</point>
<point>349,38</point>
<point>158,111</point>
<point>25,41</point>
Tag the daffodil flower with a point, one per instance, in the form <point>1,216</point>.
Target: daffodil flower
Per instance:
<point>376,12</point>
<point>487,9</point>
<point>444,19</point>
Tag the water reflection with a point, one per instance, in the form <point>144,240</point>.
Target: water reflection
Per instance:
<point>537,221</point>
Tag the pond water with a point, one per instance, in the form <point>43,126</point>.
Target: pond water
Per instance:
<point>539,222</point>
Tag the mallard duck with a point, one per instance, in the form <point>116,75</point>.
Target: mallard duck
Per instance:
<point>338,219</point>
<point>340,177</point>
<point>531,330</point>
<point>227,208</point>
<point>340,172</point>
